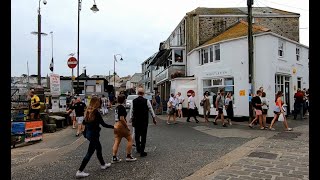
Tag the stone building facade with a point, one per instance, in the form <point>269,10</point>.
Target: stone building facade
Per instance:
<point>202,24</point>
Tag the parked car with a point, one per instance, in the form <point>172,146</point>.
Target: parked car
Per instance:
<point>129,100</point>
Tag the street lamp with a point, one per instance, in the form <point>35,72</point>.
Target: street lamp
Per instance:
<point>95,9</point>
<point>39,33</point>
<point>114,69</point>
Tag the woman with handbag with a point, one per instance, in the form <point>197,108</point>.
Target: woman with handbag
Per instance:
<point>121,130</point>
<point>279,113</point>
<point>205,103</point>
<point>92,121</point>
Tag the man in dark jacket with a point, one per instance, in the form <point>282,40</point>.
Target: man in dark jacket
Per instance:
<point>140,119</point>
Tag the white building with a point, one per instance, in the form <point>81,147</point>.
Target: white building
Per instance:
<point>222,62</point>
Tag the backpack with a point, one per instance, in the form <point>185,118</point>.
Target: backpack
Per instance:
<point>214,98</point>
<point>202,102</point>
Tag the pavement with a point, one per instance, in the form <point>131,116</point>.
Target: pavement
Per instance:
<point>180,151</point>
<point>272,155</point>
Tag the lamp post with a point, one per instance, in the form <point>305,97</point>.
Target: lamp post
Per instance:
<point>39,33</point>
<point>114,69</point>
<point>109,76</point>
<point>95,9</point>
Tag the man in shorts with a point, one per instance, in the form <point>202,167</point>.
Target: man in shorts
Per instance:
<point>79,108</point>
<point>35,106</point>
<point>219,107</point>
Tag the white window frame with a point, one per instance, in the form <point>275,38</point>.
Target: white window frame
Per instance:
<point>299,79</point>
<point>223,85</point>
<point>217,47</point>
<point>298,53</point>
<point>281,48</point>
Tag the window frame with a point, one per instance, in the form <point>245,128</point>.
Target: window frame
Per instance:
<point>281,48</point>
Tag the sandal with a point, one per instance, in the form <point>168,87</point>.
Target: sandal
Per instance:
<point>262,128</point>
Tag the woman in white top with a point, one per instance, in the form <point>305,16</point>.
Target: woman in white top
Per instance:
<point>265,107</point>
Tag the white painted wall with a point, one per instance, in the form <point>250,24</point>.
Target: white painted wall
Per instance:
<point>234,62</point>
<point>268,63</point>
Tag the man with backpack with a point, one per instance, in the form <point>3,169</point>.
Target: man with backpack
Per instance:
<point>219,107</point>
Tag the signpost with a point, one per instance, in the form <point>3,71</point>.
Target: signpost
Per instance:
<point>72,63</point>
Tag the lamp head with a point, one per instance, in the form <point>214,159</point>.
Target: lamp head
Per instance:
<point>94,8</point>
<point>44,2</point>
<point>121,59</point>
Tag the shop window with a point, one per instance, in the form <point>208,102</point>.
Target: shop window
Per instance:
<point>281,48</point>
<point>216,84</point>
<point>298,53</point>
<point>217,52</point>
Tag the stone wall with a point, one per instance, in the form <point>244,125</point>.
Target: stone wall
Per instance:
<point>287,27</point>
<point>211,26</point>
<point>192,30</point>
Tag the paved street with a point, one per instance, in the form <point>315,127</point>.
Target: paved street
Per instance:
<point>185,150</point>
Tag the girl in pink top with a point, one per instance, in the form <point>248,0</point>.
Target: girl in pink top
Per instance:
<point>278,111</point>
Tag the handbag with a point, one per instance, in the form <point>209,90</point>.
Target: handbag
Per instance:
<point>281,117</point>
<point>201,103</point>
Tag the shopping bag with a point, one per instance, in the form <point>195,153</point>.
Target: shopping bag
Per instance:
<point>281,117</point>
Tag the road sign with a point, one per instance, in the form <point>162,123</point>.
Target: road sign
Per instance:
<point>72,62</point>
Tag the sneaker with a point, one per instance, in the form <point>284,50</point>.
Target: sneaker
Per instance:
<point>77,135</point>
<point>129,158</point>
<point>215,123</point>
<point>81,174</point>
<point>197,121</point>
<point>116,160</point>
<point>73,127</point>
<point>289,129</point>
<point>230,123</point>
<point>224,125</point>
<point>143,154</point>
<point>272,129</point>
<point>106,165</point>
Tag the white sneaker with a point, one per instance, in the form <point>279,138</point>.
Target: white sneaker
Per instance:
<point>81,174</point>
<point>130,158</point>
<point>106,165</point>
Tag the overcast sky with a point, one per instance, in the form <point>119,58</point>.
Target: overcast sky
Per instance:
<point>133,29</point>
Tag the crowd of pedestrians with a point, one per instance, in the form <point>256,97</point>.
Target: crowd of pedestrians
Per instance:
<point>90,118</point>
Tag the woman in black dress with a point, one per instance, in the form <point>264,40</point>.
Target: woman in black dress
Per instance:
<point>229,107</point>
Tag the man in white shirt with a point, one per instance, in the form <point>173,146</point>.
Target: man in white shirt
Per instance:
<point>180,101</point>
<point>172,108</point>
<point>192,108</point>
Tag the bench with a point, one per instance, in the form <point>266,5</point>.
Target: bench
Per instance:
<point>59,121</point>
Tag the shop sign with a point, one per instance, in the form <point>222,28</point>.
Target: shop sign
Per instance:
<point>55,84</point>
<point>218,73</point>
<point>162,76</point>
<point>284,70</point>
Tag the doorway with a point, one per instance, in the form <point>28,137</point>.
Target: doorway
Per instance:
<point>282,83</point>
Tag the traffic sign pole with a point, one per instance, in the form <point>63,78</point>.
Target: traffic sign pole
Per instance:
<point>72,63</point>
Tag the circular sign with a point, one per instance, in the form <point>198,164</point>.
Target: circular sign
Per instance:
<point>72,62</point>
